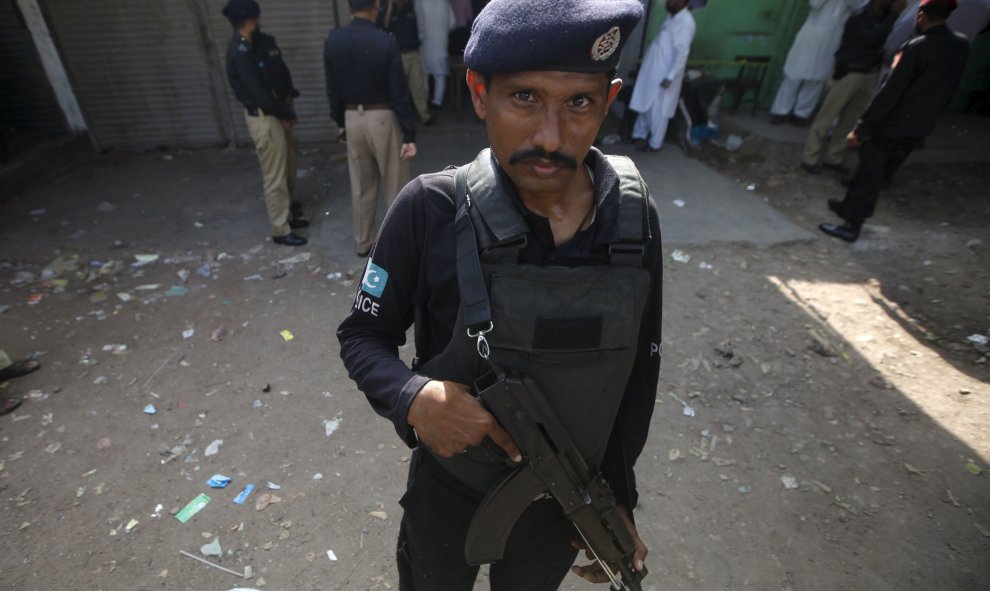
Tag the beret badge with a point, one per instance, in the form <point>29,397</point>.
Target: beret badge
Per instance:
<point>606,45</point>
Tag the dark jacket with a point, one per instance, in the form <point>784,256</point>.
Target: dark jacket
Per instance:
<point>363,65</point>
<point>926,74</point>
<point>258,75</point>
<point>402,25</point>
<point>863,37</point>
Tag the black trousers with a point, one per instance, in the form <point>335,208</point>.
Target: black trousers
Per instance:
<point>438,510</point>
<point>879,159</point>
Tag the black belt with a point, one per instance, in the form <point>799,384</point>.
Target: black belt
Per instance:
<point>368,107</point>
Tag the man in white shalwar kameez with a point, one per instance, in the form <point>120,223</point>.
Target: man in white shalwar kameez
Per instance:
<point>658,84</point>
<point>436,20</point>
<point>811,59</point>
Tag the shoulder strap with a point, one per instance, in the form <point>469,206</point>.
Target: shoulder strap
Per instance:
<point>470,278</point>
<point>633,221</point>
<point>498,224</point>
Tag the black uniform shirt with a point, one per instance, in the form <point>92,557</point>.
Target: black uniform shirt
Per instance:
<point>413,267</point>
<point>926,73</point>
<point>403,26</point>
<point>863,37</point>
<point>258,75</point>
<point>363,66</point>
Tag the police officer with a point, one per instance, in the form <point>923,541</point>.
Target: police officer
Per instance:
<point>568,245</point>
<point>369,101</point>
<point>398,17</point>
<point>854,80</point>
<point>924,78</point>
<point>261,81</point>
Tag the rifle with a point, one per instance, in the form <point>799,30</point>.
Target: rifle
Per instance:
<point>552,464</point>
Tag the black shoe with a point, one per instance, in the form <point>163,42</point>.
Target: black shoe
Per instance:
<point>296,208</point>
<point>646,148</point>
<point>289,239</point>
<point>799,121</point>
<point>18,369</point>
<point>846,231</point>
<point>8,405</point>
<point>296,223</point>
<point>837,168</point>
<point>837,206</point>
<point>364,254</point>
<point>778,119</point>
<point>811,168</point>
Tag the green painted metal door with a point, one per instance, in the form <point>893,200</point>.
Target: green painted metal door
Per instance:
<point>730,28</point>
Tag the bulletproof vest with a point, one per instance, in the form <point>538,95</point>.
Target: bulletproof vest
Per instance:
<point>574,330</point>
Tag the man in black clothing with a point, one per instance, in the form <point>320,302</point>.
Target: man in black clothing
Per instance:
<point>399,18</point>
<point>261,81</point>
<point>857,65</point>
<point>369,101</point>
<point>924,78</point>
<point>575,240</point>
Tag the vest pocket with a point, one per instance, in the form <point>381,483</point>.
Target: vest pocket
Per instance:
<point>564,315</point>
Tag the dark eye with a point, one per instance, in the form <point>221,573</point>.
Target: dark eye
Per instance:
<point>580,101</point>
<point>524,95</point>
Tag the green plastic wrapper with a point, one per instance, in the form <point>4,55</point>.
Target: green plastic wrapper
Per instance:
<point>192,508</point>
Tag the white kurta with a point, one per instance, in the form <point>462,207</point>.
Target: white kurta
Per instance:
<point>666,59</point>
<point>435,19</point>
<point>813,54</point>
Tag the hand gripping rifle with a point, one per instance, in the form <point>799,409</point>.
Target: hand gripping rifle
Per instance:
<point>552,463</point>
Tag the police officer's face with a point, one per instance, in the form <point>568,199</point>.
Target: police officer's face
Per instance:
<point>542,124</point>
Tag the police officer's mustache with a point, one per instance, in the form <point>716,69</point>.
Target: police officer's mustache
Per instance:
<point>539,153</point>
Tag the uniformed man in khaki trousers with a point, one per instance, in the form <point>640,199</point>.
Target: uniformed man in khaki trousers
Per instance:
<point>261,81</point>
<point>370,102</point>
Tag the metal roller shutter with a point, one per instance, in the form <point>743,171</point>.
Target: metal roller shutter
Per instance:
<point>140,70</point>
<point>26,99</point>
<point>299,28</point>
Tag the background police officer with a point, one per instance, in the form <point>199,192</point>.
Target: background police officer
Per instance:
<point>543,95</point>
<point>369,101</point>
<point>923,81</point>
<point>261,81</point>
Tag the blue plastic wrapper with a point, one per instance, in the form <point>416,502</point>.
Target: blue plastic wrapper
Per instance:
<point>244,494</point>
<point>218,481</point>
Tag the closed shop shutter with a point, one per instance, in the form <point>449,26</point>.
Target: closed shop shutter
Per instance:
<point>299,28</point>
<point>26,99</point>
<point>140,71</point>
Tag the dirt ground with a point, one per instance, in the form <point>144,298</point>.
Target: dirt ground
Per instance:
<point>838,413</point>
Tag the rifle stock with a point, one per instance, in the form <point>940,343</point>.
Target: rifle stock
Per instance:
<point>552,464</point>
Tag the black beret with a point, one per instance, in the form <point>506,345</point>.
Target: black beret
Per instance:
<point>567,35</point>
<point>361,4</point>
<point>241,10</point>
